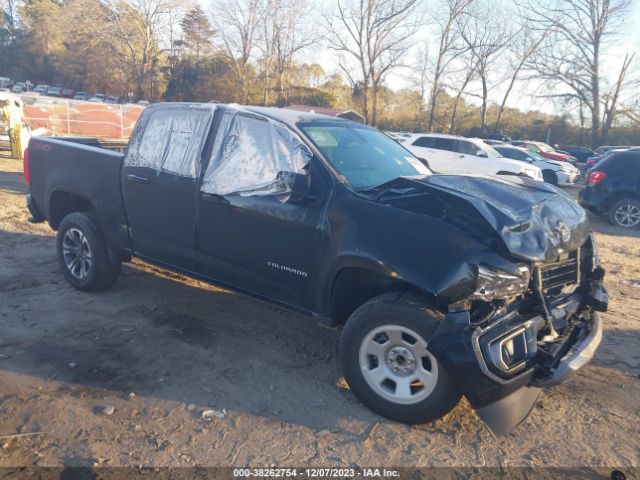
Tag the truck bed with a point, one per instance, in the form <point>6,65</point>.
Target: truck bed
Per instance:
<point>64,171</point>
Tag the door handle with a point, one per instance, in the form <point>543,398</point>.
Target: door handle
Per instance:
<point>138,179</point>
<point>215,199</point>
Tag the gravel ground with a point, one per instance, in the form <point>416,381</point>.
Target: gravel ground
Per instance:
<point>125,377</point>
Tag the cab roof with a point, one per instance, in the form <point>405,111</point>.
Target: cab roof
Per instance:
<point>284,115</point>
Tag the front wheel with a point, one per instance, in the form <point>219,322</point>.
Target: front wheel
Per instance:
<point>625,213</point>
<point>83,255</point>
<point>384,355</point>
<point>550,177</point>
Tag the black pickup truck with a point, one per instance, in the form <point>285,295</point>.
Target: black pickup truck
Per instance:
<point>444,285</point>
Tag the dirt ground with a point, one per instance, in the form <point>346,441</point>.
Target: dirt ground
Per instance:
<point>160,349</point>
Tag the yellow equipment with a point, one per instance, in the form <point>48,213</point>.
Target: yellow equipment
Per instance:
<point>11,108</point>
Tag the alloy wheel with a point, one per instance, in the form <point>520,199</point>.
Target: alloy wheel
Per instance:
<point>627,215</point>
<point>76,252</point>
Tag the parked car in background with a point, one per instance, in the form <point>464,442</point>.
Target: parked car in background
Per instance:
<point>599,152</point>
<point>5,82</point>
<point>54,91</point>
<point>581,154</point>
<point>41,89</point>
<point>98,97</point>
<point>112,99</point>
<point>81,95</point>
<point>613,188</point>
<point>67,93</point>
<point>19,88</point>
<point>594,160</point>
<point>545,150</point>
<point>452,154</point>
<point>553,171</point>
<point>143,103</point>
<point>605,148</point>
<point>497,136</point>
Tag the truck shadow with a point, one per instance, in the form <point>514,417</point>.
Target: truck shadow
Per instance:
<point>161,335</point>
<point>164,336</point>
<point>12,182</point>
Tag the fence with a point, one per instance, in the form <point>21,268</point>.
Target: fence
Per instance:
<point>77,118</point>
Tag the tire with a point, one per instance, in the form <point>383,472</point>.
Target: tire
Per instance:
<point>550,176</point>
<point>412,386</point>
<point>625,213</point>
<point>83,255</point>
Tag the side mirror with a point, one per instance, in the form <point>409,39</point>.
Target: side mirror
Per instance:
<point>299,185</point>
<point>481,153</point>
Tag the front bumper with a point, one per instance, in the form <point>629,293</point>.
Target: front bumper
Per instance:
<point>504,399</point>
<point>579,356</point>
<point>566,178</point>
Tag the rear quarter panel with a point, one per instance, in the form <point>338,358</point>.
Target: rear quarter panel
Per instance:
<point>86,171</point>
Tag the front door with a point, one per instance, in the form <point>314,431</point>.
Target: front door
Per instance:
<point>470,162</point>
<point>250,235</point>
<point>159,183</point>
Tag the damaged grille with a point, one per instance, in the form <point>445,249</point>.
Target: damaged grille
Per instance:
<point>553,277</point>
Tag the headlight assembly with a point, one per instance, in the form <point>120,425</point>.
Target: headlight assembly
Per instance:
<point>496,284</point>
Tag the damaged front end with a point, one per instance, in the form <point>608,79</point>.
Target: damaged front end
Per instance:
<point>530,327</point>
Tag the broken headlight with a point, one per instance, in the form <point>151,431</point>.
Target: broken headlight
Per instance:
<point>494,284</point>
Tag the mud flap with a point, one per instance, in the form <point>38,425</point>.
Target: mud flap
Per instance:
<point>507,413</point>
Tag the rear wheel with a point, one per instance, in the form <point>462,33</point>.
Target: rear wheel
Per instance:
<point>550,176</point>
<point>384,355</point>
<point>625,213</point>
<point>83,255</point>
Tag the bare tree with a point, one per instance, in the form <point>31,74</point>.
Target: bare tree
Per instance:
<point>375,34</point>
<point>468,74</point>
<point>571,58</point>
<point>142,28</point>
<point>525,43</point>
<point>237,23</point>
<point>449,48</point>
<point>8,14</point>
<point>421,73</point>
<point>486,35</point>
<point>286,34</point>
<point>611,99</point>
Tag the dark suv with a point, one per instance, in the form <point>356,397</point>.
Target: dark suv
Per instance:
<point>613,189</point>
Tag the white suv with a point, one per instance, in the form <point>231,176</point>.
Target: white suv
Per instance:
<point>459,155</point>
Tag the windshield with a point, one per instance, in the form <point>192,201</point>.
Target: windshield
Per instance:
<point>363,155</point>
<point>536,156</point>
<point>492,151</point>
<point>545,148</point>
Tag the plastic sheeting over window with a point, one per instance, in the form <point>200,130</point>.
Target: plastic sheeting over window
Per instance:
<point>253,155</point>
<point>172,141</point>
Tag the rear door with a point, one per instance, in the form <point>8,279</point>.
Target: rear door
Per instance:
<point>159,183</point>
<point>438,151</point>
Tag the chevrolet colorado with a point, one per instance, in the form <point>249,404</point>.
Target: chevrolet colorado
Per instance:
<point>444,285</point>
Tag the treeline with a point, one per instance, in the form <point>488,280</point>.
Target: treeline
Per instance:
<point>458,77</point>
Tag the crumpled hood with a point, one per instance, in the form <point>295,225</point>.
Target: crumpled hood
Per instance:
<point>536,221</point>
